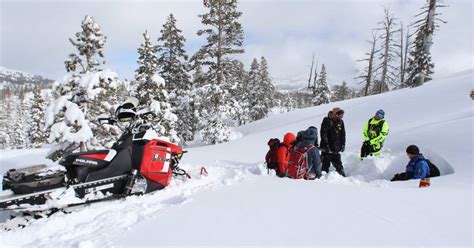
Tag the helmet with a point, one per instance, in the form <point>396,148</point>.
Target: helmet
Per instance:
<point>126,111</point>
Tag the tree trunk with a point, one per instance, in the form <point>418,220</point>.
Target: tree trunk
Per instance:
<point>369,70</point>
<point>311,73</point>
<point>427,41</point>
<point>219,46</point>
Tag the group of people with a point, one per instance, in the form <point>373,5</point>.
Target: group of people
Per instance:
<point>319,157</point>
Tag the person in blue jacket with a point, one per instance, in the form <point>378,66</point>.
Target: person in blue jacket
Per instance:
<point>310,137</point>
<point>417,168</point>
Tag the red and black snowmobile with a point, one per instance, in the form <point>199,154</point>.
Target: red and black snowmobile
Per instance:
<point>138,163</point>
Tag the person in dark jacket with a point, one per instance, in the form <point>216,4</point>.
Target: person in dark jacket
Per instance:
<point>417,167</point>
<point>333,140</point>
<point>309,137</point>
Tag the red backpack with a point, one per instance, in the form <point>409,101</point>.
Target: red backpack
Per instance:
<point>298,162</point>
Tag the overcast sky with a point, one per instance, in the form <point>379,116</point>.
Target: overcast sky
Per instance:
<point>34,34</point>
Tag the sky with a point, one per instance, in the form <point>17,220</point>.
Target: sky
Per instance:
<point>34,34</point>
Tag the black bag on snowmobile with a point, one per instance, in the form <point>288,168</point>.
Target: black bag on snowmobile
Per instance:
<point>32,179</point>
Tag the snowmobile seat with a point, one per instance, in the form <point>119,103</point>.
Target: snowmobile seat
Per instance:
<point>79,165</point>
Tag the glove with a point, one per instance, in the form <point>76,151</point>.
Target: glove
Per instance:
<point>343,148</point>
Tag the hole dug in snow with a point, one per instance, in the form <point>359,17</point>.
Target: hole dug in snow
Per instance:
<point>386,165</point>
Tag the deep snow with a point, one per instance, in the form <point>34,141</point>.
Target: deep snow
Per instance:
<point>239,204</point>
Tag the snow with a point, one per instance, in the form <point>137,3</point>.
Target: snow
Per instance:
<point>91,81</point>
<point>15,73</point>
<point>237,203</point>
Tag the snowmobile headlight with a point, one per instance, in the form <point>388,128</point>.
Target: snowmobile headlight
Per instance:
<point>180,155</point>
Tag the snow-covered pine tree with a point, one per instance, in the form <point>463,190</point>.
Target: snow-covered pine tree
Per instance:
<point>289,102</point>
<point>104,105</point>
<point>69,116</point>
<point>420,66</point>
<point>224,37</point>
<point>145,74</point>
<point>37,133</point>
<point>172,62</point>
<point>90,44</point>
<point>151,91</point>
<point>19,124</point>
<point>340,92</point>
<point>321,93</point>
<point>238,90</point>
<point>261,89</point>
<point>388,75</point>
<point>256,95</point>
<point>172,57</point>
<point>267,85</point>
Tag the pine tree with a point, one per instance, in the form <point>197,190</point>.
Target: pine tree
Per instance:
<point>321,93</point>
<point>173,58</point>
<point>420,66</point>
<point>261,89</point>
<point>104,105</point>
<point>267,85</point>
<point>172,61</point>
<point>89,43</point>
<point>257,100</point>
<point>289,102</point>
<point>224,37</point>
<point>145,75</point>
<point>36,131</point>
<point>18,123</point>
<point>71,116</point>
<point>151,91</point>
<point>238,91</point>
<point>341,92</point>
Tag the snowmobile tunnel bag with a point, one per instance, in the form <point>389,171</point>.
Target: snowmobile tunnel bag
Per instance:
<point>32,179</point>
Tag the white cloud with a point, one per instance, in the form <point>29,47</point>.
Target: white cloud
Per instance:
<point>34,34</point>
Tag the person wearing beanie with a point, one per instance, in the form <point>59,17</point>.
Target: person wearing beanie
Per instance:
<point>417,167</point>
<point>333,140</point>
<point>375,131</point>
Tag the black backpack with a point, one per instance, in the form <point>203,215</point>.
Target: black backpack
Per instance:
<point>434,171</point>
<point>271,156</point>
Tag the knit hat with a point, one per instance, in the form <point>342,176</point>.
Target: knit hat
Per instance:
<point>381,113</point>
<point>337,110</point>
<point>412,149</point>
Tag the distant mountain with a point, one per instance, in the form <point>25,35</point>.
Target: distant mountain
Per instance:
<point>19,79</point>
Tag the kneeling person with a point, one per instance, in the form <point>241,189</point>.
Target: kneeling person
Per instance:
<point>417,167</point>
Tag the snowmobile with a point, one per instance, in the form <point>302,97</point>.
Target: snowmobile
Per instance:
<point>138,163</point>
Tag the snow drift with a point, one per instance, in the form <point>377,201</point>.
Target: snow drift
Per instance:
<point>239,204</point>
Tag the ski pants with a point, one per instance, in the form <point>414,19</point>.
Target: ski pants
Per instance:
<point>335,159</point>
<point>368,149</point>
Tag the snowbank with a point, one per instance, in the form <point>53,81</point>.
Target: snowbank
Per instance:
<point>239,204</point>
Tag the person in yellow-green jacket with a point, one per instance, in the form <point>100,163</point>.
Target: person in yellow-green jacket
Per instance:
<point>375,132</point>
